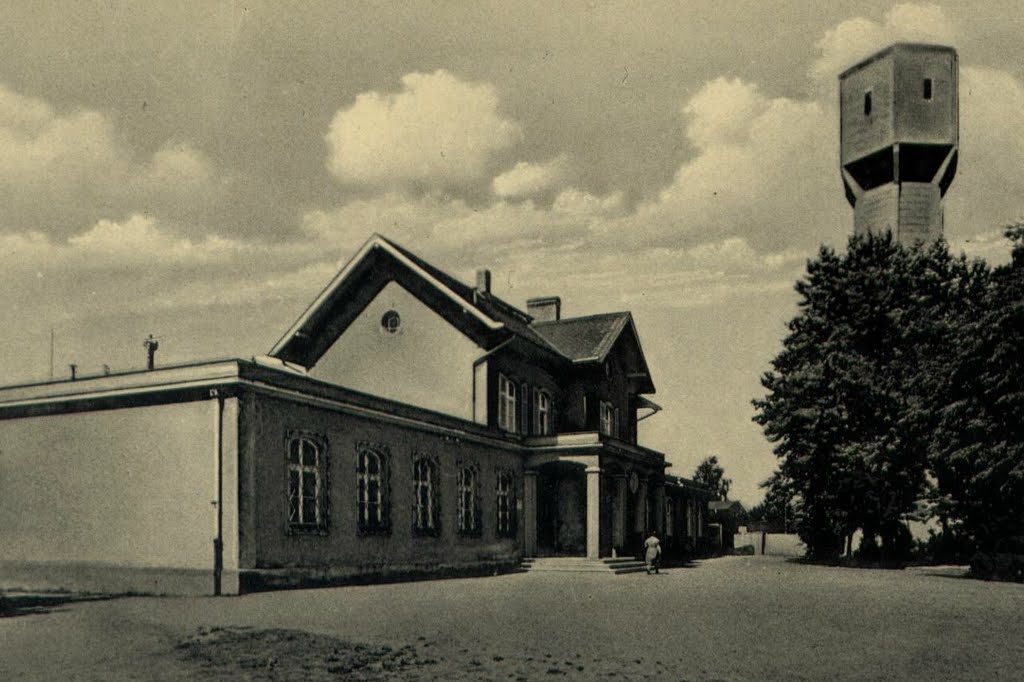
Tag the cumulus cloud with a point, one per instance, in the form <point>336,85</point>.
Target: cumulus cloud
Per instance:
<point>765,171</point>
<point>61,171</point>
<point>579,203</point>
<point>857,38</point>
<point>529,179</point>
<point>437,131</point>
<point>139,239</point>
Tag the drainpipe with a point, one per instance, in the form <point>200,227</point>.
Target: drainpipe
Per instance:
<point>218,452</point>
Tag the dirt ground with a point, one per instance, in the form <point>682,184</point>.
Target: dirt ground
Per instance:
<point>737,618</point>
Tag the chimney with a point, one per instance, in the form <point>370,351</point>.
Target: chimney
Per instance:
<point>546,309</point>
<point>483,281</point>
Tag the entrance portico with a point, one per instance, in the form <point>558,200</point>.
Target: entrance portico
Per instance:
<point>586,495</point>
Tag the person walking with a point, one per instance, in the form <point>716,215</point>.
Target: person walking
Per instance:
<point>652,553</point>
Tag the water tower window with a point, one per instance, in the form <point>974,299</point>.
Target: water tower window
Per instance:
<point>927,88</point>
<point>867,103</point>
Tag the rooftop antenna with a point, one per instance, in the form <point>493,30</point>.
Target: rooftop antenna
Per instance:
<point>151,345</point>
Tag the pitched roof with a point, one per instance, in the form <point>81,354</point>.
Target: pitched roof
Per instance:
<point>482,316</point>
<point>514,319</point>
<point>583,339</point>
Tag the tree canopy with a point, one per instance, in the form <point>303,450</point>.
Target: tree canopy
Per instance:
<point>848,397</point>
<point>711,474</point>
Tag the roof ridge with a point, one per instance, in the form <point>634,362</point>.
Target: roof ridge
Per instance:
<point>582,318</point>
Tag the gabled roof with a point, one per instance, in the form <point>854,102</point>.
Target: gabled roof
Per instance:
<point>483,317</point>
<point>584,339</point>
<point>591,338</point>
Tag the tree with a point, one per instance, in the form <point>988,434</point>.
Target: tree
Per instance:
<point>841,407</point>
<point>711,474</point>
<point>776,512</point>
<point>977,451</point>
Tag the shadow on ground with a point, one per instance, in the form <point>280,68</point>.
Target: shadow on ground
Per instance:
<point>27,603</point>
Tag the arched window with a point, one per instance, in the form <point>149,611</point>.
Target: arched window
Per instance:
<point>372,489</point>
<point>307,482</point>
<point>506,505</point>
<point>469,500</point>
<point>426,517</point>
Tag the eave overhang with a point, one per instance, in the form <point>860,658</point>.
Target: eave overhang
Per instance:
<point>376,264</point>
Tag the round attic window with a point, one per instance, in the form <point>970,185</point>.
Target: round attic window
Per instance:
<point>391,321</point>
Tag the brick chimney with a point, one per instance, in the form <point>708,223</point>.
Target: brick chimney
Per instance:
<point>546,309</point>
<point>483,281</point>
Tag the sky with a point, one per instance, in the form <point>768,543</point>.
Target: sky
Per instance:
<point>199,171</point>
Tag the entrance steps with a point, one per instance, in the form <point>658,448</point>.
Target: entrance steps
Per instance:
<point>571,564</point>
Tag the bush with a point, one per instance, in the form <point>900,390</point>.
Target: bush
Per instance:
<point>744,550</point>
<point>998,566</point>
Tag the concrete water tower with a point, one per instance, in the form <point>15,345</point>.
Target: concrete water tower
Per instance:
<point>898,139</point>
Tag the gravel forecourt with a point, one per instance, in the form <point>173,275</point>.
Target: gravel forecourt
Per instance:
<point>733,618</point>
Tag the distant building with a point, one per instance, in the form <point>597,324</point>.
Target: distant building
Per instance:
<point>899,139</point>
<point>406,425</point>
<point>725,517</point>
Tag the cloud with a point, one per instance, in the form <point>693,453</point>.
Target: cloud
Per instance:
<point>584,204</point>
<point>61,171</point>
<point>139,240</point>
<point>722,111</point>
<point>857,38</point>
<point>528,179</point>
<point>765,171</point>
<point>987,191</point>
<point>438,131</point>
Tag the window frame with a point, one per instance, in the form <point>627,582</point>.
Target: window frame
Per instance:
<point>382,525</point>
<point>506,519</point>
<point>606,418</point>
<point>433,504</point>
<point>542,412</point>
<point>508,404</point>
<point>319,470</point>
<point>468,501</point>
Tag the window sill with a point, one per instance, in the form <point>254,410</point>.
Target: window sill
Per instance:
<point>373,532</point>
<point>306,530</point>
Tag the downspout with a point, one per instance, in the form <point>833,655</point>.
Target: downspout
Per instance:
<point>218,451</point>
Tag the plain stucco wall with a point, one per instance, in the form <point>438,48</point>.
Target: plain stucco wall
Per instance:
<point>427,362</point>
<point>129,487</point>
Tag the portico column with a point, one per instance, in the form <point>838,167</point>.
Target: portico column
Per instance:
<point>640,522</point>
<point>529,513</point>
<point>619,510</point>
<point>659,507</point>
<point>593,512</point>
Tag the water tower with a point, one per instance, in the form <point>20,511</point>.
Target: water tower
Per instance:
<point>898,139</point>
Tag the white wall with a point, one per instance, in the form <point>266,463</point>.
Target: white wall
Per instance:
<point>131,487</point>
<point>427,363</point>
